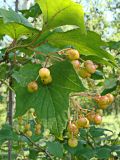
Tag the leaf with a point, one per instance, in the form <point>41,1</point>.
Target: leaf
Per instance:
<point>55,148</point>
<point>97,132</point>
<point>59,13</point>
<point>14,24</point>
<point>47,48</point>
<point>103,153</point>
<point>34,11</point>
<point>97,75</point>
<point>6,133</point>
<point>89,44</point>
<point>3,69</point>
<point>50,102</point>
<point>110,85</point>
<point>33,154</point>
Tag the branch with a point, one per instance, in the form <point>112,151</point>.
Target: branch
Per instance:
<point>38,147</point>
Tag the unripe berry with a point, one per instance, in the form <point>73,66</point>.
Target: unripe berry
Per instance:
<point>38,126</point>
<point>97,119</point>
<point>44,73</point>
<point>27,126</point>
<point>28,133</point>
<point>84,73</point>
<point>103,100</point>
<point>76,64</point>
<point>72,54</point>
<point>73,142</point>
<point>110,97</point>
<point>88,124</point>
<point>47,80</point>
<point>103,106</point>
<point>81,122</point>
<point>37,131</point>
<point>90,116</point>
<point>73,128</point>
<point>90,67</point>
<point>32,86</point>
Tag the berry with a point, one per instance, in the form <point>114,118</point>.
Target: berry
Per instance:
<point>37,131</point>
<point>72,54</point>
<point>84,73</point>
<point>44,73</point>
<point>28,133</point>
<point>46,80</point>
<point>97,119</point>
<point>110,97</point>
<point>38,126</point>
<point>32,86</point>
<point>103,100</point>
<point>76,64</point>
<point>88,124</point>
<point>73,128</point>
<point>103,106</point>
<point>27,126</point>
<point>90,67</point>
<point>90,116</point>
<point>81,122</point>
<point>73,142</point>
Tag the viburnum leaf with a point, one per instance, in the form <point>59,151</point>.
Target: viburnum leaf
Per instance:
<point>90,44</point>
<point>59,13</point>
<point>51,101</point>
<point>14,24</point>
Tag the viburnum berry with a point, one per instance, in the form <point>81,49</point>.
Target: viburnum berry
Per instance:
<point>81,122</point>
<point>32,86</point>
<point>103,100</point>
<point>90,116</point>
<point>89,66</point>
<point>73,128</point>
<point>72,54</point>
<point>97,119</point>
<point>76,64</point>
<point>37,131</point>
<point>44,73</point>
<point>84,73</point>
<point>28,133</point>
<point>110,97</point>
<point>47,80</point>
<point>73,142</point>
<point>38,126</point>
<point>88,124</point>
<point>27,126</point>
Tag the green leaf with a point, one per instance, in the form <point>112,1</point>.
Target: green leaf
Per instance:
<point>103,153</point>
<point>50,101</point>
<point>14,24</point>
<point>97,132</point>
<point>33,154</point>
<point>6,133</point>
<point>55,148</point>
<point>3,69</point>
<point>110,85</point>
<point>34,11</point>
<point>47,48</point>
<point>59,13</point>
<point>97,75</point>
<point>89,44</point>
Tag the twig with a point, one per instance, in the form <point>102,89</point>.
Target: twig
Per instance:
<point>38,147</point>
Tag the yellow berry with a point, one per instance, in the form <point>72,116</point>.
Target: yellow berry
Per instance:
<point>44,73</point>
<point>32,86</point>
